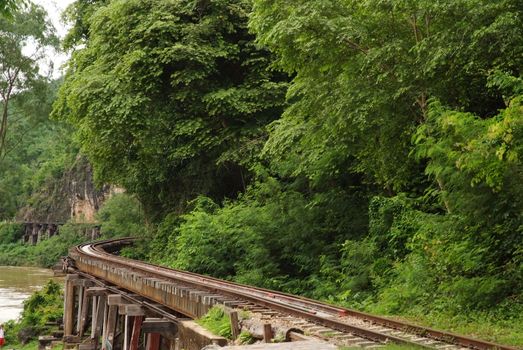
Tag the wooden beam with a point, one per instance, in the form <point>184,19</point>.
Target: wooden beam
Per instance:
<point>96,291</point>
<point>83,282</point>
<point>116,299</point>
<point>131,310</point>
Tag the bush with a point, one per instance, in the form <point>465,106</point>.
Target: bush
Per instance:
<point>10,232</point>
<point>41,308</point>
<point>46,253</point>
<point>217,321</point>
<point>121,216</point>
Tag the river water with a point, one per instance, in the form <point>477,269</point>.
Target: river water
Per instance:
<point>16,285</point>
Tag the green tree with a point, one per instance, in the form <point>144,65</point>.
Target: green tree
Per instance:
<point>169,98</point>
<point>37,149</point>
<point>7,7</point>
<point>19,71</point>
<point>121,216</point>
<point>365,72</point>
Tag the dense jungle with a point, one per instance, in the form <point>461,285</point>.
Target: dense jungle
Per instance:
<point>365,153</point>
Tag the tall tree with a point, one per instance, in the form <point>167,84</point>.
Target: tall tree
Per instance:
<point>366,70</point>
<point>19,71</point>
<point>170,97</point>
<point>7,7</point>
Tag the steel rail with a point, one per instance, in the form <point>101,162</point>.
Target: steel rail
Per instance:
<point>307,308</point>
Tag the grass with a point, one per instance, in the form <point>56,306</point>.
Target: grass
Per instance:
<point>506,331</point>
<point>217,321</point>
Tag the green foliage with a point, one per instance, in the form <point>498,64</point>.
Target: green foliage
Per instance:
<point>9,232</point>
<point>7,7</point>
<point>246,338</point>
<point>38,152</point>
<point>182,110</point>
<point>19,69</point>
<point>217,321</point>
<point>121,216</point>
<point>46,253</point>
<point>269,235</point>
<point>390,183</point>
<point>44,306</point>
<point>364,72</point>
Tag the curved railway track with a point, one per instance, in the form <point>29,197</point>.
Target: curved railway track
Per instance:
<point>336,322</point>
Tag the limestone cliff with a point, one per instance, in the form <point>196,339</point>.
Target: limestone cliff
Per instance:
<point>70,196</point>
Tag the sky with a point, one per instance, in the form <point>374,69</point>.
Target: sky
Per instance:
<point>54,9</point>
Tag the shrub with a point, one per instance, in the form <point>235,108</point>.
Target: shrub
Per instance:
<point>121,216</point>
<point>10,232</point>
<point>217,321</point>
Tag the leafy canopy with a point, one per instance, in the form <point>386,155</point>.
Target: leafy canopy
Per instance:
<point>169,97</point>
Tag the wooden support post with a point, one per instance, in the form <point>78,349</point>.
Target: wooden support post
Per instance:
<point>80,309</point>
<point>153,341</point>
<point>104,327</point>
<point>126,333</point>
<point>115,301</point>
<point>137,329</point>
<point>84,314</point>
<point>267,333</point>
<point>94,315</point>
<point>98,294</point>
<point>235,325</point>
<point>69,304</point>
<point>100,313</point>
<point>108,341</point>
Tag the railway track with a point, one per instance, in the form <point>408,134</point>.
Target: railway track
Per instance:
<point>335,324</point>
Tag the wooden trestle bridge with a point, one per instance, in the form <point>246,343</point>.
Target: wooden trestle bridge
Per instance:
<point>112,302</point>
<point>35,232</point>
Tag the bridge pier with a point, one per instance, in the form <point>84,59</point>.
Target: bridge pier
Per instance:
<point>116,320</point>
<point>36,232</point>
<point>69,307</point>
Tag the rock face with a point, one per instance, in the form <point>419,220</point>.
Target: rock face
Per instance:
<point>70,196</point>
